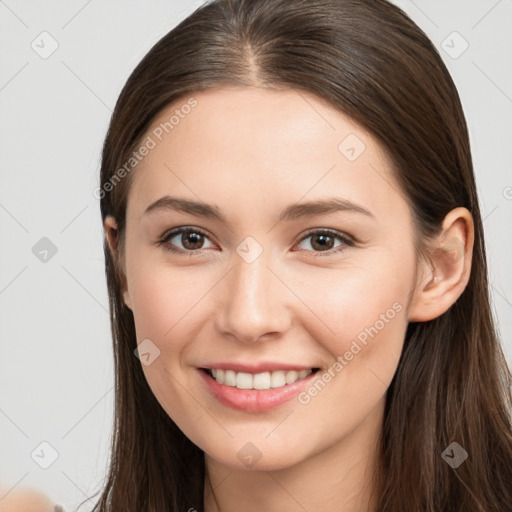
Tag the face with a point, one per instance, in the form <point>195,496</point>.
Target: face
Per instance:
<point>297,263</point>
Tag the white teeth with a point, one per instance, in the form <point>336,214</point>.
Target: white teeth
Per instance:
<point>230,378</point>
<point>266,380</point>
<point>261,381</point>
<point>277,379</point>
<point>304,373</point>
<point>291,377</point>
<point>244,380</point>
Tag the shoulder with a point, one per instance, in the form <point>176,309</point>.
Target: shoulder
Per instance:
<point>26,500</point>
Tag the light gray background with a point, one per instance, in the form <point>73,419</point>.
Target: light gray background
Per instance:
<point>56,372</point>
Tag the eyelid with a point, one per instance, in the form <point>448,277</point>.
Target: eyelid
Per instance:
<point>347,240</point>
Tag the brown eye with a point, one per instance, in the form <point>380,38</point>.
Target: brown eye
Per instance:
<point>323,241</point>
<point>184,240</point>
<point>192,240</point>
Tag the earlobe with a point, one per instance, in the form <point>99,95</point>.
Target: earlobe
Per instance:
<point>444,280</point>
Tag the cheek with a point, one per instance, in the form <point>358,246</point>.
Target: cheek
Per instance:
<point>167,302</point>
<point>367,314</point>
<point>361,322</point>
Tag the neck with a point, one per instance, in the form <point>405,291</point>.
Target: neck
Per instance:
<point>338,478</point>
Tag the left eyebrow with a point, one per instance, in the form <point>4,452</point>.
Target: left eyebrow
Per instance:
<point>322,206</point>
<point>291,212</point>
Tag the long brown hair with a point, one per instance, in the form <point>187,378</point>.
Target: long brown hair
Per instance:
<point>369,60</point>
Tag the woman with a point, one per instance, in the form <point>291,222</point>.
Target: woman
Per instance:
<point>296,270</point>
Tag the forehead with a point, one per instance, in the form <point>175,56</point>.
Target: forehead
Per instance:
<point>258,146</point>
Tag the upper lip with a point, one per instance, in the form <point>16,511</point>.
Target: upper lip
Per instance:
<point>261,367</point>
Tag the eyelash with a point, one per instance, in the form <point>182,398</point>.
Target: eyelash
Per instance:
<point>346,241</point>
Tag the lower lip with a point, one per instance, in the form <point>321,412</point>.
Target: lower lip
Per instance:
<point>255,400</point>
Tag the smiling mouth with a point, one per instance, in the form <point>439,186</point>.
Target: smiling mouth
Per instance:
<point>260,381</point>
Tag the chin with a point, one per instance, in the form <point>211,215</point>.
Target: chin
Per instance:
<point>257,456</point>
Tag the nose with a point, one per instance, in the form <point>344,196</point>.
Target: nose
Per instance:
<point>254,301</point>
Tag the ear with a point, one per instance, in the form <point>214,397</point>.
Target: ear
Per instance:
<point>111,233</point>
<point>442,281</point>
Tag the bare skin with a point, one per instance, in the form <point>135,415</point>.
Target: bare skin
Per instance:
<point>253,152</point>
<point>24,500</point>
